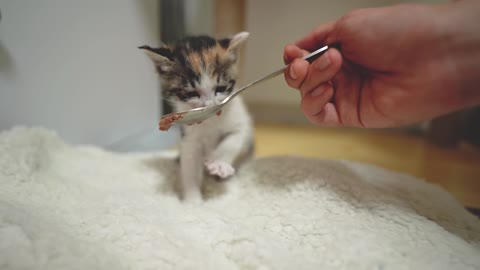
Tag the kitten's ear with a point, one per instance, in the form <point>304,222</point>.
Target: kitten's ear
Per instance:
<point>161,57</point>
<point>232,44</point>
<point>238,40</point>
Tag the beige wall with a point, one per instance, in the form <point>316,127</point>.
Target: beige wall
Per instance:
<point>199,17</point>
<point>275,23</point>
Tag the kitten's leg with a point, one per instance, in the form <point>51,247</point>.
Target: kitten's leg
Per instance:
<point>220,162</point>
<point>191,171</point>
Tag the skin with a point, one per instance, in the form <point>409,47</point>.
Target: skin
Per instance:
<point>397,65</point>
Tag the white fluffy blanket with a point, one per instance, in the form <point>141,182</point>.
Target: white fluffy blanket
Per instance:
<point>64,207</point>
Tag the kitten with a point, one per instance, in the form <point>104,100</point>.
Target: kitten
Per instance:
<point>201,71</point>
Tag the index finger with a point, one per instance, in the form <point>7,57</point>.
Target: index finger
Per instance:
<point>318,37</point>
<point>292,52</point>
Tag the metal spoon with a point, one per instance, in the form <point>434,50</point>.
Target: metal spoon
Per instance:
<point>203,113</point>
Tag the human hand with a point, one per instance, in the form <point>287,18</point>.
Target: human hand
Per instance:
<point>397,65</point>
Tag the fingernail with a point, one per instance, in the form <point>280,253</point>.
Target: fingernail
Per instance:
<point>292,73</point>
<point>319,90</point>
<point>322,63</point>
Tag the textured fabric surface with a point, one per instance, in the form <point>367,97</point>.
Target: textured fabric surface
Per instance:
<point>64,207</point>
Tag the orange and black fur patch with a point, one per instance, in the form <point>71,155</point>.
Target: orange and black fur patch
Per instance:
<point>187,60</point>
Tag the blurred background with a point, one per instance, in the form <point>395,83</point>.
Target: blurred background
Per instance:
<point>74,67</point>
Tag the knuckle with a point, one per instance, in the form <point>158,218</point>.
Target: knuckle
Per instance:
<point>289,81</point>
<point>306,106</point>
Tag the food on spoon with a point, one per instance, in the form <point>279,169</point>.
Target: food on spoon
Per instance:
<point>167,121</point>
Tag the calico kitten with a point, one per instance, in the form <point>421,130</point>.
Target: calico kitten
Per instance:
<point>201,71</point>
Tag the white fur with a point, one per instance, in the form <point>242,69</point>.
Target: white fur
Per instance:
<point>213,146</point>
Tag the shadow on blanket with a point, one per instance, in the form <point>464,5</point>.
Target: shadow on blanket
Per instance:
<point>169,168</point>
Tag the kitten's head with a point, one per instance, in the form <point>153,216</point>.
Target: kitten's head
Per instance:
<point>197,71</point>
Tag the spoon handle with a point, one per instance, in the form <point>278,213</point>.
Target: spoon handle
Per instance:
<point>310,58</point>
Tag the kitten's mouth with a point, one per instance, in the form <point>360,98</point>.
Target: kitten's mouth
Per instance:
<point>204,105</point>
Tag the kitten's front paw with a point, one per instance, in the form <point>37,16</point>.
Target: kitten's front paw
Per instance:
<point>220,168</point>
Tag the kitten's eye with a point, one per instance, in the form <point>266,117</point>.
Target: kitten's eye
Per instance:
<point>220,89</point>
<point>192,94</point>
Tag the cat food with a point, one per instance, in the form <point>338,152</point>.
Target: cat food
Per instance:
<point>167,121</point>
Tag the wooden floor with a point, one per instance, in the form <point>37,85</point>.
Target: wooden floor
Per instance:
<point>457,170</point>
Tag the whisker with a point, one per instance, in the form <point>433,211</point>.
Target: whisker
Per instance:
<point>165,99</point>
